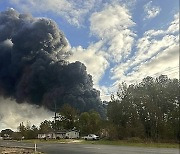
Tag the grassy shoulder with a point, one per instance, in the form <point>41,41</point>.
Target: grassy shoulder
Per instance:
<point>137,143</point>
<point>132,143</point>
<point>8,150</point>
<point>62,141</point>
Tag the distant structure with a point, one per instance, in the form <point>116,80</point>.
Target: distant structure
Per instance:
<point>65,134</point>
<point>59,134</point>
<point>55,116</point>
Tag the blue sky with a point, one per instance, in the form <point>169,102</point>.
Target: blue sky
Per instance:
<point>118,40</point>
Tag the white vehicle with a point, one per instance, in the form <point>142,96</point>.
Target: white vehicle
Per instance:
<point>91,137</point>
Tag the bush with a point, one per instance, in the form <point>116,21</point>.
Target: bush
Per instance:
<point>135,140</point>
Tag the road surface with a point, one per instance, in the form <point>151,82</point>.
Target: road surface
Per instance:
<point>56,148</point>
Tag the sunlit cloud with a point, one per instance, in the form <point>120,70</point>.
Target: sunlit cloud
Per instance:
<point>72,11</point>
<point>157,52</point>
<point>151,11</point>
<point>113,25</point>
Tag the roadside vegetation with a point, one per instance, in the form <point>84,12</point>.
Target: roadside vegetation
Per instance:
<point>143,114</point>
<point>133,143</point>
<point>128,142</point>
<point>8,150</point>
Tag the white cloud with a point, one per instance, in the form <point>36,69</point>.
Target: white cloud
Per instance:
<point>157,52</point>
<point>151,11</point>
<point>153,32</point>
<point>71,10</point>
<point>166,62</point>
<point>110,18</point>
<point>148,47</point>
<point>12,114</point>
<point>106,92</point>
<point>174,26</point>
<point>113,25</point>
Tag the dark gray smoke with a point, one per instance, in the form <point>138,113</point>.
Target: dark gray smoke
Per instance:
<point>33,68</point>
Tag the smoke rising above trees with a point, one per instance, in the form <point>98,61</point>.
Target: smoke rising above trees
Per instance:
<point>33,65</point>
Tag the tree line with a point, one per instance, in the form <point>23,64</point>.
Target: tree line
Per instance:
<point>67,119</point>
<point>147,110</point>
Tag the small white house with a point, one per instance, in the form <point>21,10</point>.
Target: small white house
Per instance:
<point>50,135</point>
<point>60,135</point>
<point>71,134</point>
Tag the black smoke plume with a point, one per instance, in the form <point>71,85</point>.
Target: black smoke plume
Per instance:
<point>33,65</point>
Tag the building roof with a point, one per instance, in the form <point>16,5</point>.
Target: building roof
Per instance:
<point>61,132</point>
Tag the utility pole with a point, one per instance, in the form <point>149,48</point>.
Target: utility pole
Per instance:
<point>55,115</point>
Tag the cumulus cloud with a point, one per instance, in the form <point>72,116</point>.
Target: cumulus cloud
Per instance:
<point>174,26</point>
<point>12,114</point>
<point>157,52</point>
<point>151,11</point>
<point>164,63</point>
<point>113,25</point>
<point>71,10</point>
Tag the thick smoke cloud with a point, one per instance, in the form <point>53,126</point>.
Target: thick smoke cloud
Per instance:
<point>33,66</point>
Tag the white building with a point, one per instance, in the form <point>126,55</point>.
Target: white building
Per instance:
<point>60,135</point>
<point>50,135</point>
<point>71,134</point>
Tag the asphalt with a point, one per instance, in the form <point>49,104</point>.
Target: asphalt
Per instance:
<point>56,148</point>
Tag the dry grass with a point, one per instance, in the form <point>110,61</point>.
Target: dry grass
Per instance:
<point>132,143</point>
<point>6,150</point>
<point>63,141</point>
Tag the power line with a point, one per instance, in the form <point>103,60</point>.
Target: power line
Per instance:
<point>170,71</point>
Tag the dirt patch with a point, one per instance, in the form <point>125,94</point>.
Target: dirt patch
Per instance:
<point>5,150</point>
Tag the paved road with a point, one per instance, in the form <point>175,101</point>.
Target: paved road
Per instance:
<point>54,148</point>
